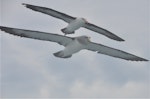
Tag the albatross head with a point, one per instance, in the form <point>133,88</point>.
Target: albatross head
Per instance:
<point>83,39</point>
<point>84,20</point>
<point>81,19</point>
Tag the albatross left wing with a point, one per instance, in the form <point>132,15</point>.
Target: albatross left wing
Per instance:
<point>102,31</point>
<point>99,48</point>
<point>51,12</point>
<point>62,40</point>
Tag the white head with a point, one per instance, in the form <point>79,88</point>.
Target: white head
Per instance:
<point>83,39</point>
<point>82,19</point>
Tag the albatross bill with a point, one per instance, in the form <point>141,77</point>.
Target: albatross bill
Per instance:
<point>72,45</point>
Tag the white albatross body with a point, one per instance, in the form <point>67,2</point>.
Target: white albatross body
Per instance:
<point>72,45</point>
<point>71,48</point>
<point>74,23</point>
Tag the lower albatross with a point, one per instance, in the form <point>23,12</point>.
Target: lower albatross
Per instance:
<point>72,44</point>
<point>74,23</point>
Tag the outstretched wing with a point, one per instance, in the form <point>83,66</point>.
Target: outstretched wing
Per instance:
<point>63,40</point>
<point>102,31</point>
<point>51,12</point>
<point>99,48</point>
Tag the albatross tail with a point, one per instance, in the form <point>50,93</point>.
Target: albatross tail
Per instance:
<point>61,54</point>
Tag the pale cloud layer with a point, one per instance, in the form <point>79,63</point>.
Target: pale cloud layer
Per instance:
<point>29,70</point>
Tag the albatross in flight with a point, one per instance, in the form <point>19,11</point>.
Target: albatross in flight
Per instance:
<point>72,44</point>
<point>74,23</point>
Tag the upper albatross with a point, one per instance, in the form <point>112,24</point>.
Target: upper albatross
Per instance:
<point>72,45</point>
<point>74,23</point>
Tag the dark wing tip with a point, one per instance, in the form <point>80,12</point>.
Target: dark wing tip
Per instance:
<point>137,59</point>
<point>1,27</point>
<point>120,39</point>
<point>142,59</point>
<point>6,29</point>
<point>25,4</point>
<point>28,5</point>
<point>115,37</point>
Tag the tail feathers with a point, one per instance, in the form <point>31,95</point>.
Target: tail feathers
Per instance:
<point>60,54</point>
<point>65,31</point>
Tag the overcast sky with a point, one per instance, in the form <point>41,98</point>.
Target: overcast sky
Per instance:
<point>29,69</point>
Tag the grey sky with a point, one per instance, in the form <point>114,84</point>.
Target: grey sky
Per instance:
<point>29,69</point>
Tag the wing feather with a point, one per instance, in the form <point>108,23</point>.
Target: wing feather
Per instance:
<point>102,31</point>
<point>99,48</point>
<point>63,40</point>
<point>51,12</point>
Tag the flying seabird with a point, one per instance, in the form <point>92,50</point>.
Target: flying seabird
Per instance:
<point>74,23</point>
<point>72,44</point>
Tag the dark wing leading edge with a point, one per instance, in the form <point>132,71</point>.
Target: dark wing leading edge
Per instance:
<point>63,40</point>
<point>51,12</point>
<point>113,52</point>
<point>102,31</point>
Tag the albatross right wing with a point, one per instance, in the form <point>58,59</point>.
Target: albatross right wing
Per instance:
<point>102,31</point>
<point>62,40</point>
<point>99,48</point>
<point>51,12</point>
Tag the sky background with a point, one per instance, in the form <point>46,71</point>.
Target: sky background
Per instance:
<point>29,69</point>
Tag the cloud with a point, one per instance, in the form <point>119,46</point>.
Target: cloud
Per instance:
<point>29,70</point>
<point>102,89</point>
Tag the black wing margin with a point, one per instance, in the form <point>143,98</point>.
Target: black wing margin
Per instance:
<point>99,48</point>
<point>50,12</point>
<point>63,40</point>
<point>103,31</point>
